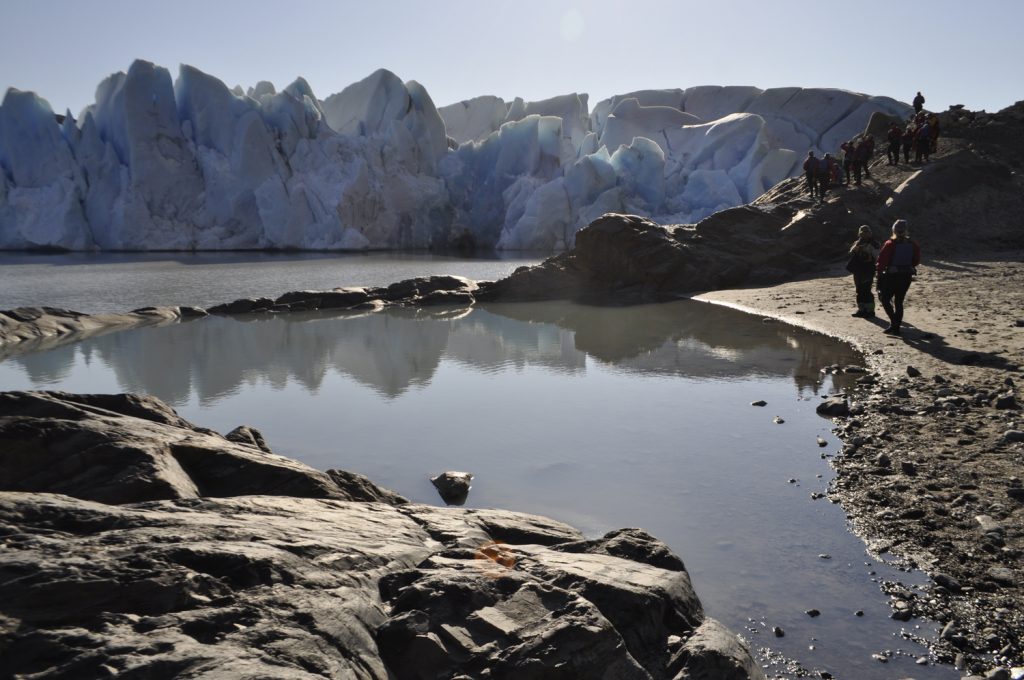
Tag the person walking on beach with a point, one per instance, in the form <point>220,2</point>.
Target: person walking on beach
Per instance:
<point>863,254</point>
<point>918,103</point>
<point>896,266</point>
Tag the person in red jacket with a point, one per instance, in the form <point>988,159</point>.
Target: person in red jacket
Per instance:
<point>897,262</point>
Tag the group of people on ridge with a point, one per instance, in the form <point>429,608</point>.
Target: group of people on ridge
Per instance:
<point>920,135</point>
<point>895,264</point>
<point>821,173</point>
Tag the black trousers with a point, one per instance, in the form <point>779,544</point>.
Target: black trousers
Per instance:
<point>810,181</point>
<point>865,300</point>
<point>892,289</point>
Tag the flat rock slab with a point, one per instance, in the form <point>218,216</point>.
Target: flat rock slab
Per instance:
<point>215,557</point>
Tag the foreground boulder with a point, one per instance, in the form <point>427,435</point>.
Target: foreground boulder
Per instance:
<point>302,580</point>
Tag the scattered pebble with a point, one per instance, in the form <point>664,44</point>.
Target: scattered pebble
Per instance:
<point>778,420</point>
<point>759,402</point>
<point>812,613</point>
<point>778,632</point>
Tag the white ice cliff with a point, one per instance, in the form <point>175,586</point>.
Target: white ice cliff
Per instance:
<point>191,164</point>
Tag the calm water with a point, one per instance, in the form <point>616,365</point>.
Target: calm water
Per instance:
<point>599,417</point>
<point>113,282</point>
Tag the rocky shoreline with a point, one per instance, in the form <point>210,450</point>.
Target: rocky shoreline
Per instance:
<point>932,465</point>
<point>136,544</point>
<point>930,470</point>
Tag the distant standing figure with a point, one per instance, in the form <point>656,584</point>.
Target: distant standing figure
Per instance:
<point>849,159</point>
<point>860,160</point>
<point>810,169</point>
<point>908,143</point>
<point>896,266</point>
<point>923,143</point>
<point>824,176</point>
<point>863,254</point>
<point>869,153</point>
<point>895,136</point>
<point>918,103</point>
<point>933,137</point>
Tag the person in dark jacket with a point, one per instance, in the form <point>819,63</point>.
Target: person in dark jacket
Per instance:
<point>918,103</point>
<point>908,142</point>
<point>810,172</point>
<point>895,137</point>
<point>863,254</point>
<point>861,154</point>
<point>869,153</point>
<point>824,176</point>
<point>923,143</point>
<point>897,262</point>
<point>849,159</point>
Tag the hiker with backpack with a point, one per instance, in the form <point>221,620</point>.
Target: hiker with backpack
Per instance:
<point>863,253</point>
<point>933,137</point>
<point>908,142</point>
<point>895,137</point>
<point>918,103</point>
<point>810,172</point>
<point>896,266</point>
<point>849,158</point>
<point>824,176</point>
<point>861,153</point>
<point>869,153</point>
<point>923,142</point>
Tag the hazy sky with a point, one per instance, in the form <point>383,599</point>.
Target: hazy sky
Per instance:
<point>956,52</point>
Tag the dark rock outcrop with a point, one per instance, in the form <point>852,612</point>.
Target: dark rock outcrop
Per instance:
<point>129,448</point>
<point>320,575</point>
<point>628,259</point>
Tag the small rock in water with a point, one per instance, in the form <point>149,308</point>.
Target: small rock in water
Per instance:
<point>778,632</point>
<point>812,613</point>
<point>453,487</point>
<point>778,420</point>
<point>822,442</point>
<point>833,406</point>
<point>759,402</point>
<point>859,612</point>
<point>824,556</point>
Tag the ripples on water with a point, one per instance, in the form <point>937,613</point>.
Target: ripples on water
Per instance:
<point>600,417</point>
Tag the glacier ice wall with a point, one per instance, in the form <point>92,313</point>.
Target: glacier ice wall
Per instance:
<point>189,164</point>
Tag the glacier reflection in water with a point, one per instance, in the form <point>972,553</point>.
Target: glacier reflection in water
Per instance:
<point>601,417</point>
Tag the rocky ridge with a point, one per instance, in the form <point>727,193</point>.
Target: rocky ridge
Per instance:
<point>138,545</point>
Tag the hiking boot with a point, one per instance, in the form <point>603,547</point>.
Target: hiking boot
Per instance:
<point>892,330</point>
<point>858,314</point>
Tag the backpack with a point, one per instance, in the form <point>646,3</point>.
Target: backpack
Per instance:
<point>902,254</point>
